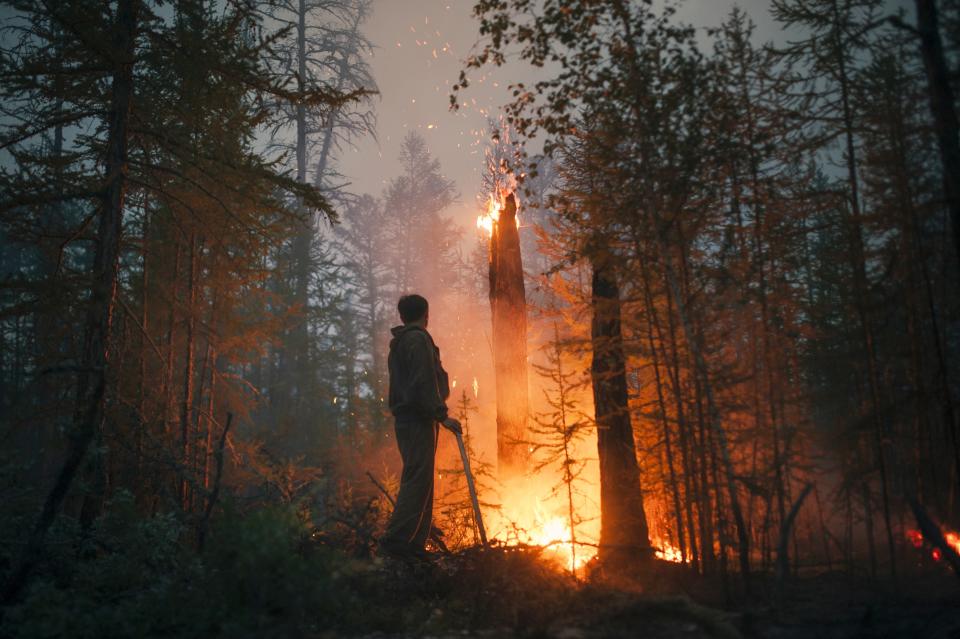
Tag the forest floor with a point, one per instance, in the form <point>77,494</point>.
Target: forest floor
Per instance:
<point>260,577</point>
<point>509,593</point>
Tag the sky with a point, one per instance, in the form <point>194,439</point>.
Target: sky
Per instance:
<point>420,46</point>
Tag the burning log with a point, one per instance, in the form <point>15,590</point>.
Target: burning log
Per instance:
<point>508,308</point>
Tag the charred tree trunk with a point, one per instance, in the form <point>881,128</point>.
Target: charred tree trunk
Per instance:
<point>508,308</point>
<point>623,522</point>
<point>99,318</point>
<point>943,108</point>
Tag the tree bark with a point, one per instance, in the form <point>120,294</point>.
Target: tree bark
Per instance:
<point>943,108</point>
<point>186,406</point>
<point>861,287</point>
<point>623,523</point>
<point>88,415</point>
<point>683,431</point>
<point>509,313</point>
<point>661,402</point>
<point>694,343</point>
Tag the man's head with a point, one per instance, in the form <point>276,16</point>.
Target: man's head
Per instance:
<point>413,308</point>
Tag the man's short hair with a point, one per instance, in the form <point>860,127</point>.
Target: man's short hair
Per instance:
<point>412,307</point>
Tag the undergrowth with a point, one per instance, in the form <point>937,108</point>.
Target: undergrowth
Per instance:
<point>270,572</point>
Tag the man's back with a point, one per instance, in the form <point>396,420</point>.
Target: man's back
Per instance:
<point>418,383</point>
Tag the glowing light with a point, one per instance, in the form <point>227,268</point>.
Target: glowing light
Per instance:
<point>488,220</point>
<point>476,388</point>
<point>667,552</point>
<point>552,532</point>
<point>915,537</point>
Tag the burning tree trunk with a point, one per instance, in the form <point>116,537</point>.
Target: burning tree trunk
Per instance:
<point>623,523</point>
<point>508,308</point>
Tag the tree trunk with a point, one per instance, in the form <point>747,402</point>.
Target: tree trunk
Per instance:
<point>943,108</point>
<point>661,402</point>
<point>693,339</point>
<point>623,522</point>
<point>186,405</point>
<point>858,258</point>
<point>296,346</point>
<point>684,433</point>
<point>509,313</point>
<point>99,318</point>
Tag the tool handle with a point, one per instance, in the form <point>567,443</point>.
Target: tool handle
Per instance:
<point>472,488</point>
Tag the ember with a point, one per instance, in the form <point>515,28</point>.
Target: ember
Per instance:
<point>916,539</point>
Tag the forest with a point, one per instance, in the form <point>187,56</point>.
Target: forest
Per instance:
<point>702,336</point>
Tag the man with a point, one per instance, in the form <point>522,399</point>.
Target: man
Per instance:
<point>418,392</point>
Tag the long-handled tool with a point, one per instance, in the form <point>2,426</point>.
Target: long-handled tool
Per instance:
<point>472,488</point>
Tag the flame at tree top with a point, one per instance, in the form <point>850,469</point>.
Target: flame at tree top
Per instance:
<point>495,204</point>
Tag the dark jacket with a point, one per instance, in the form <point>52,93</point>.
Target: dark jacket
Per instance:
<point>419,386</point>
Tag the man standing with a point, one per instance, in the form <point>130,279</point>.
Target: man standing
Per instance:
<point>418,391</point>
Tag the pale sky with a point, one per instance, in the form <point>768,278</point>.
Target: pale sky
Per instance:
<point>420,46</point>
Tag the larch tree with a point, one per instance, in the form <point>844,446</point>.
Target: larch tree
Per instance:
<point>168,169</point>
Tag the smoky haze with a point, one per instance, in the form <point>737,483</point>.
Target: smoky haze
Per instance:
<point>420,48</point>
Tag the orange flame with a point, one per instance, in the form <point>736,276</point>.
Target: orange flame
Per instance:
<point>550,531</point>
<point>667,552</point>
<point>495,202</point>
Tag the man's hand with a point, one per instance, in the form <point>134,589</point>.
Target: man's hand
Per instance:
<point>452,425</point>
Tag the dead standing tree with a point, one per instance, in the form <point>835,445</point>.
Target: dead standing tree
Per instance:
<point>508,309</point>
